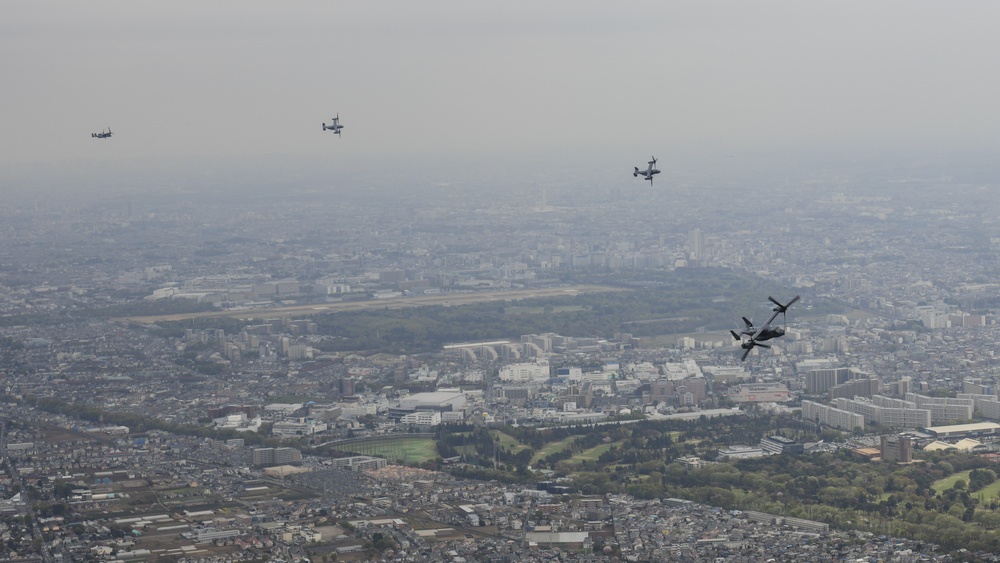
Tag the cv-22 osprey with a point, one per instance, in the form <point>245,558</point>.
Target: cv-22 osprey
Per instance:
<point>648,172</point>
<point>335,126</point>
<point>765,332</point>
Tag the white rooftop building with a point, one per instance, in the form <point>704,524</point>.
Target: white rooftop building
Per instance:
<point>298,427</point>
<point>525,372</point>
<point>238,422</point>
<point>422,418</point>
<point>282,408</point>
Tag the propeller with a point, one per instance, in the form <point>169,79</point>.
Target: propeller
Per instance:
<point>779,308</point>
<point>748,345</point>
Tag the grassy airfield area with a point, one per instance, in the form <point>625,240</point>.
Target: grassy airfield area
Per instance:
<point>448,299</point>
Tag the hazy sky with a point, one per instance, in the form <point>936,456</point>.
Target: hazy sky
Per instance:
<point>465,77</point>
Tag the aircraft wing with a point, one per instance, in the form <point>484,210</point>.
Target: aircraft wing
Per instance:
<point>753,330</point>
<point>774,315</point>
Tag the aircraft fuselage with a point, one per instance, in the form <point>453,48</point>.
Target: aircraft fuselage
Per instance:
<point>768,333</point>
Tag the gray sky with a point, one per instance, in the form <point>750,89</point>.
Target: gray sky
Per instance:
<point>626,79</point>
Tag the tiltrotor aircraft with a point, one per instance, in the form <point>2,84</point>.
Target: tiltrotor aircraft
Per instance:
<point>766,332</point>
<point>335,126</point>
<point>102,134</point>
<point>648,172</point>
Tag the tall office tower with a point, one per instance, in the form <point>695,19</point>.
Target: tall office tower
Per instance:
<point>905,383</point>
<point>346,386</point>
<point>698,386</point>
<point>696,244</point>
<point>662,390</point>
<point>897,448</point>
<point>819,380</point>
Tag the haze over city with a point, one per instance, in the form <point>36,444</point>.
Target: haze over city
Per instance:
<point>576,281</point>
<point>589,82</point>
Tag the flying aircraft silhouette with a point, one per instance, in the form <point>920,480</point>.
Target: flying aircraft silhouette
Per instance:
<point>335,126</point>
<point>765,332</point>
<point>648,172</point>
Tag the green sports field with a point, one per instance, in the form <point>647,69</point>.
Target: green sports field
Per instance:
<point>406,450</point>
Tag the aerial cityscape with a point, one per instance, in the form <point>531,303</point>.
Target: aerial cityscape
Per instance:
<point>471,327</point>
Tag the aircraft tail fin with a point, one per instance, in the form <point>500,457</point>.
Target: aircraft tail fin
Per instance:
<point>324,126</point>
<point>748,323</point>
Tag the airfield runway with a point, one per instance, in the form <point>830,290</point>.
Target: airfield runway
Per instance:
<point>449,299</point>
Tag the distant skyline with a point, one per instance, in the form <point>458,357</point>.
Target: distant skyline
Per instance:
<point>440,78</point>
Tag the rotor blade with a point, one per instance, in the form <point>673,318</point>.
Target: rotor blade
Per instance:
<point>761,345</point>
<point>782,308</point>
<point>745,354</point>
